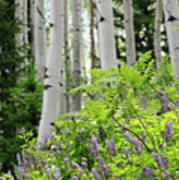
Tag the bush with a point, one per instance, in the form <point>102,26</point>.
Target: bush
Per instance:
<point>127,130</point>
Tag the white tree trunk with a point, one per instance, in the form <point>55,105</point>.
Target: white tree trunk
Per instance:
<point>106,34</point>
<point>67,55</point>
<point>32,24</point>
<point>157,33</point>
<point>171,9</point>
<point>77,30</point>
<point>129,30</point>
<point>62,65</point>
<point>19,16</point>
<point>50,110</point>
<point>39,38</point>
<point>25,26</point>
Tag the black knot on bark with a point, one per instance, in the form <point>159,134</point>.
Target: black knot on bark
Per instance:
<point>102,19</point>
<point>172,18</point>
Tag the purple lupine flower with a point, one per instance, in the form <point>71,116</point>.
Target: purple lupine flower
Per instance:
<point>111,147</point>
<point>165,103</point>
<point>126,151</point>
<point>164,160</point>
<point>159,91</point>
<point>19,161</point>
<point>160,145</point>
<point>127,136</point>
<point>147,172</point>
<point>83,130</point>
<point>45,161</point>
<point>116,178</point>
<point>166,175</point>
<point>66,160</point>
<point>157,159</point>
<point>84,164</point>
<point>47,170</point>
<point>83,159</point>
<point>92,152</point>
<point>168,128</point>
<point>101,164</point>
<point>166,136</point>
<point>75,165</point>
<point>95,173</point>
<point>57,174</point>
<point>137,145</point>
<point>74,178</point>
<point>138,177</point>
<point>94,142</point>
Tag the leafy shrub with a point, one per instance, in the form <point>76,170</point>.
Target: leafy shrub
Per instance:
<point>127,130</point>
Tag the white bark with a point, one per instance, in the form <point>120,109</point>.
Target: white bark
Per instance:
<point>25,26</point>
<point>19,16</point>
<point>106,34</point>
<point>50,110</point>
<point>77,30</point>
<point>39,38</point>
<point>171,9</point>
<point>157,33</point>
<point>129,30</point>
<point>32,24</point>
<point>67,55</point>
<point>62,65</point>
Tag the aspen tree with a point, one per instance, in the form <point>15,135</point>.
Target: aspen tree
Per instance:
<point>77,30</point>
<point>67,55</point>
<point>157,33</point>
<point>129,30</point>
<point>40,38</point>
<point>107,48</point>
<point>171,10</point>
<point>50,109</point>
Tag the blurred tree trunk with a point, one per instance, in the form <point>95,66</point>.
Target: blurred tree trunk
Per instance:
<point>106,34</point>
<point>19,16</point>
<point>62,65</point>
<point>40,38</point>
<point>171,10</point>
<point>157,33</point>
<point>77,30</point>
<point>67,56</point>
<point>92,38</point>
<point>129,30</point>
<point>50,109</point>
<point>32,24</point>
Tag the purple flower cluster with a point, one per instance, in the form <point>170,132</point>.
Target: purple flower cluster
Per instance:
<point>148,172</point>
<point>96,174</point>
<point>111,147</point>
<point>161,160</point>
<point>134,141</point>
<point>168,131</point>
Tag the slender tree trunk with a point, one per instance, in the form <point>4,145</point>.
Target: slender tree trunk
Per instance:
<point>157,33</point>
<point>25,25</point>
<point>40,38</point>
<point>77,30</point>
<point>62,65</point>
<point>32,24</point>
<point>129,29</point>
<point>67,55</point>
<point>92,41</point>
<point>106,34</point>
<point>50,110</point>
<point>171,10</point>
<point>19,16</point>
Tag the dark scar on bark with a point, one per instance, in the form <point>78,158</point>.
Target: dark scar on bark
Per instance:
<point>47,86</point>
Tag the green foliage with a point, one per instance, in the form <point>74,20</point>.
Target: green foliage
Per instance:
<point>132,107</point>
<point>20,94</point>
